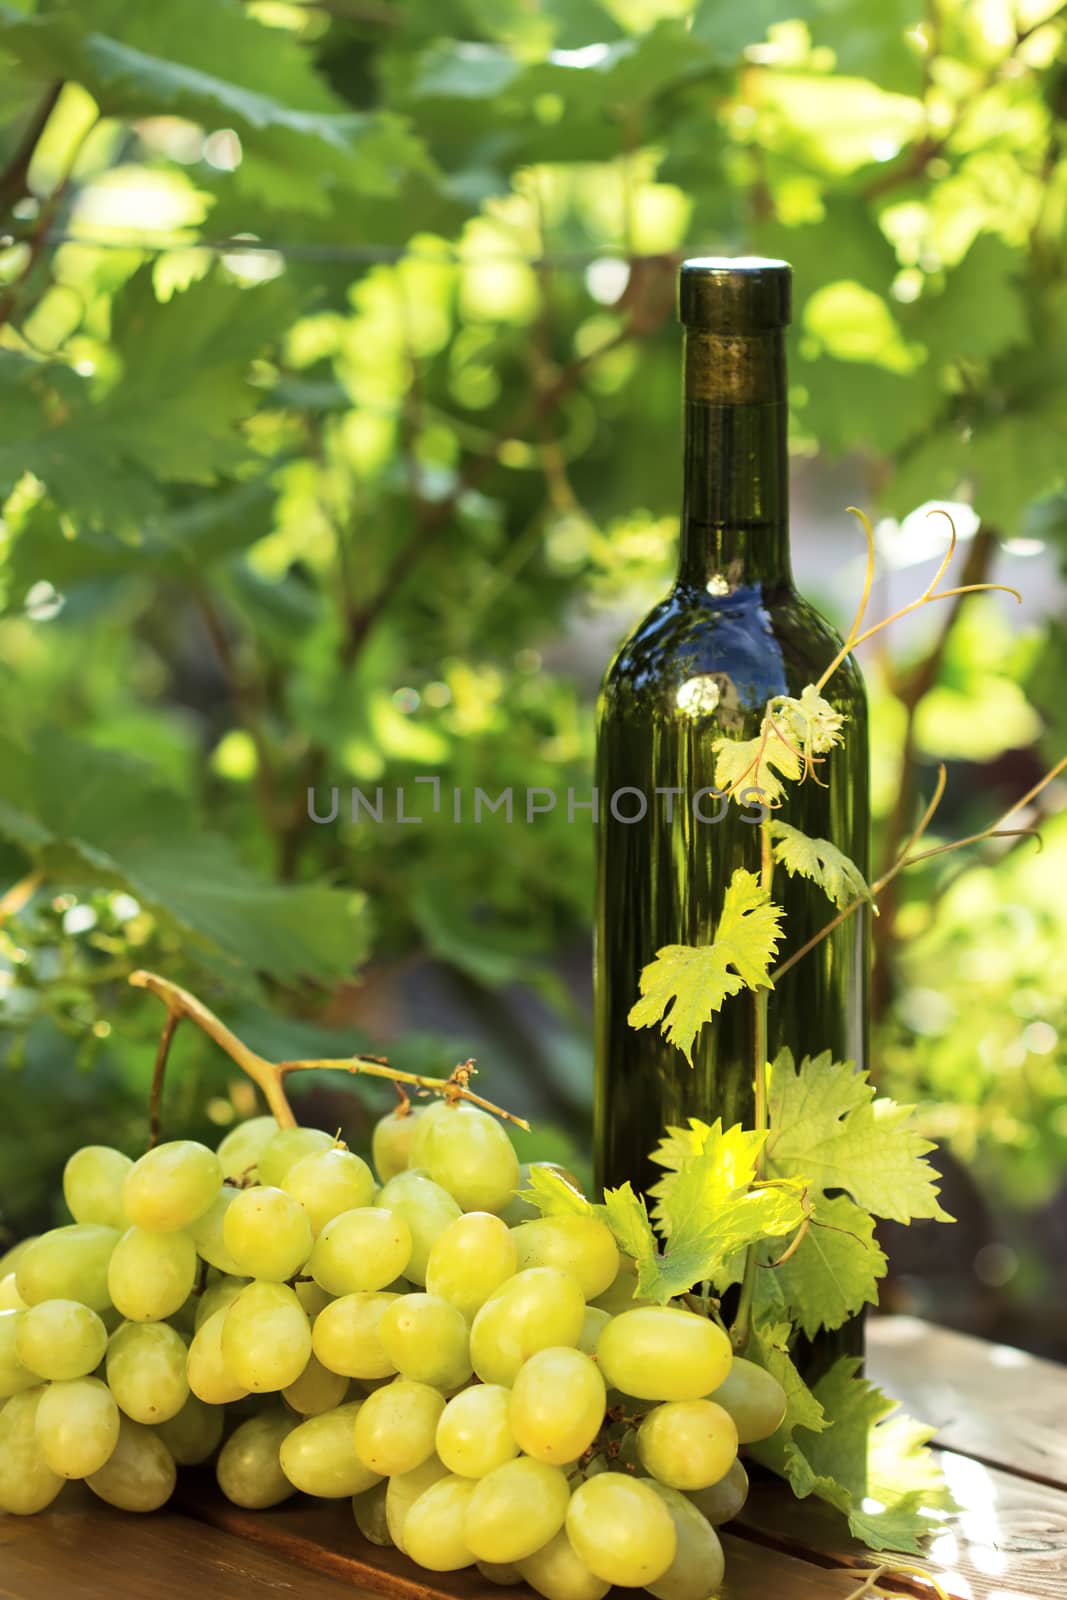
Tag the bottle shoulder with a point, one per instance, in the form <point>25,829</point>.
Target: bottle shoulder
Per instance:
<point>765,642</point>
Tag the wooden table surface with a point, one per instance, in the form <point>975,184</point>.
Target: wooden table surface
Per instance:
<point>1001,1417</point>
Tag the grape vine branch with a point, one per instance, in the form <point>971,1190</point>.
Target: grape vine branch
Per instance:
<point>269,1076</point>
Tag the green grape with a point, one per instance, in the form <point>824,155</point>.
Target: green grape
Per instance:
<point>328,1182</point>
<point>242,1147</point>
<point>216,1297</point>
<point>622,1530</point>
<point>266,1337</point>
<point>427,1340</point>
<point>663,1353</point>
<point>68,1264</point>
<point>10,1299</point>
<point>593,1326</point>
<point>139,1475</point>
<point>503,1573</point>
<point>207,1232</point>
<point>316,1390</point>
<point>171,1186</point>
<point>426,1208</point>
<point>402,1491</point>
<point>433,1528</point>
<point>515,1509</point>
<point>756,1400</point>
<point>468,1153</point>
<point>698,1567</point>
<point>248,1469</point>
<point>474,1434</point>
<point>582,1246</point>
<point>15,1375</point>
<point>183,1320</point>
<point>360,1251</point>
<point>532,1311</point>
<point>319,1456</point>
<point>151,1275</point>
<point>519,1210</point>
<point>194,1434</point>
<point>146,1364</point>
<point>559,1573</point>
<point>27,1482</point>
<point>313,1298</point>
<point>77,1426</point>
<point>346,1336</point>
<point>470,1258</point>
<point>285,1148</point>
<point>621,1295</point>
<point>722,1501</point>
<point>396,1425</point>
<point>11,1257</point>
<point>687,1444</point>
<point>92,1185</point>
<point>60,1339</point>
<point>267,1233</point>
<point>209,1377</point>
<point>369,1511</point>
<point>391,1141</point>
<point>557,1405</point>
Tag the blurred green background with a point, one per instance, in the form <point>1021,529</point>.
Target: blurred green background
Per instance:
<point>339,444</point>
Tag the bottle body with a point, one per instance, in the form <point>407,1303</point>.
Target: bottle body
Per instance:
<point>699,667</point>
<point>732,634</point>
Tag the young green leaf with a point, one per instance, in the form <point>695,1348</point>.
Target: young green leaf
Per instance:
<point>768,1346</point>
<point>627,1216</point>
<point>838,877</point>
<point>809,721</point>
<point>679,1145</point>
<point>870,1464</point>
<point>833,1272</point>
<point>553,1196</point>
<point>742,764</point>
<point>827,1127</point>
<point>709,1213</point>
<point>686,984</point>
<point>713,1167</point>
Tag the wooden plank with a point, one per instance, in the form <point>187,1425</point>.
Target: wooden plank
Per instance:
<point>1009,1541</point>
<point>990,1401</point>
<point>82,1549</point>
<point>322,1536</point>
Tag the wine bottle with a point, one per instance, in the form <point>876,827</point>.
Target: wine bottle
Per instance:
<point>731,633</point>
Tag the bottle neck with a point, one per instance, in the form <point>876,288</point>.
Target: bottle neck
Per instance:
<point>735,508</point>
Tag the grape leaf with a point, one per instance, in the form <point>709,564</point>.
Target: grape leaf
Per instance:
<point>627,1216</point>
<point>172,414</point>
<point>827,1127</point>
<point>727,1160</point>
<point>553,1196</point>
<point>754,763</point>
<point>685,984</point>
<point>213,63</point>
<point>768,1346</point>
<point>832,1274</point>
<point>93,815</point>
<point>809,720</point>
<point>839,877</point>
<point>866,1457</point>
<point>708,1211</point>
<point>182,542</point>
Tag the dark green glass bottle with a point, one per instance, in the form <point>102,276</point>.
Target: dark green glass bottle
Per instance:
<point>731,633</point>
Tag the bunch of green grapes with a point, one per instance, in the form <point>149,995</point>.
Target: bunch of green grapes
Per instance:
<point>480,1380</point>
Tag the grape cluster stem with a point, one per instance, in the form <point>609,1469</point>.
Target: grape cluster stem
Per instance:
<point>269,1076</point>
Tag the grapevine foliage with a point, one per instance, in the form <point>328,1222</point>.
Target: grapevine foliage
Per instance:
<point>686,984</point>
